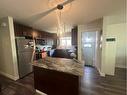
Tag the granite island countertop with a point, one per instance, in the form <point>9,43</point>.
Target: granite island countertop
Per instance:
<point>60,64</point>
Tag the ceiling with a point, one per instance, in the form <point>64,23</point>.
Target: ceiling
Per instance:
<point>80,12</point>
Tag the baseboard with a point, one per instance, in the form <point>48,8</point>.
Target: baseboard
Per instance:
<point>39,92</point>
<point>101,73</point>
<point>9,76</point>
<point>121,67</point>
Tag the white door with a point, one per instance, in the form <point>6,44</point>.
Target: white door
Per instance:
<point>88,46</point>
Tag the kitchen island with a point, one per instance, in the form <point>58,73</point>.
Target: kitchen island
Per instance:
<point>57,76</point>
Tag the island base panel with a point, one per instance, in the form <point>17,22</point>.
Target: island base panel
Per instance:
<point>54,82</point>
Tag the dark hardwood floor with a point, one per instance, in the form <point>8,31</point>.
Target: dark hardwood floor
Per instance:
<point>23,86</point>
<point>91,84</point>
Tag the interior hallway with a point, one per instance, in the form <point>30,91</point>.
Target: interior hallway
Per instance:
<point>91,84</point>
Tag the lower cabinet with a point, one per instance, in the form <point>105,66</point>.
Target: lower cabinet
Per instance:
<point>54,82</point>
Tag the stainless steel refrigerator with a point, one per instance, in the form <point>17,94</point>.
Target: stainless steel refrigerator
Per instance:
<point>24,54</point>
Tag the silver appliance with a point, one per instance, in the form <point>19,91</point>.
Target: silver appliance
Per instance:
<point>24,54</point>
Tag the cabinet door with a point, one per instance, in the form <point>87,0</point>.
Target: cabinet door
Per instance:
<point>55,82</point>
<point>18,30</point>
<point>29,32</point>
<point>74,37</point>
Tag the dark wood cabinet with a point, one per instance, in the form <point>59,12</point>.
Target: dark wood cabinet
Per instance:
<point>18,30</point>
<point>26,31</point>
<point>54,82</point>
<point>21,30</point>
<point>74,34</point>
<point>0,88</point>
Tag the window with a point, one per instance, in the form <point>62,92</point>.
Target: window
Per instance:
<point>65,41</point>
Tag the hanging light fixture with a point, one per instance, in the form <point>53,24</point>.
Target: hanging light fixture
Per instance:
<point>60,9</point>
<point>58,3</point>
<point>60,23</point>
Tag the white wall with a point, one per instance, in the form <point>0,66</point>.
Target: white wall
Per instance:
<point>121,44</point>
<point>80,30</point>
<point>113,53</point>
<point>98,52</point>
<point>8,57</point>
<point>126,32</point>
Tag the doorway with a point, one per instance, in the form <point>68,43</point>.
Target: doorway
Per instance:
<point>89,48</point>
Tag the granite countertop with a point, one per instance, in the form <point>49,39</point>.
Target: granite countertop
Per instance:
<point>60,64</point>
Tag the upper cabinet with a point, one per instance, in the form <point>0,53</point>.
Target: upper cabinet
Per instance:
<point>74,34</point>
<point>22,30</point>
<point>18,30</point>
<point>25,31</point>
